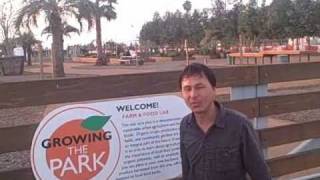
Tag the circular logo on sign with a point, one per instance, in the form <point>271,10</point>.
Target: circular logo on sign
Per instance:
<point>76,143</point>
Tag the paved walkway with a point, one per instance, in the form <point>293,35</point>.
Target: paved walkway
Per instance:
<point>80,69</point>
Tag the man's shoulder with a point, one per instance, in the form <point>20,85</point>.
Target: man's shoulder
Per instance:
<point>187,118</point>
<point>235,116</point>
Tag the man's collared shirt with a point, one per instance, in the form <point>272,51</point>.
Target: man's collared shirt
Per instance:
<point>227,151</point>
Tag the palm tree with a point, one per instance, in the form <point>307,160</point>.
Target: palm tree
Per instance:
<point>187,6</point>
<point>93,12</point>
<point>54,11</point>
<point>26,40</point>
<point>67,30</point>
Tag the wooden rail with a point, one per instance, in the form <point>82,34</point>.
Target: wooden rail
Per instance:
<point>33,93</point>
<point>296,162</point>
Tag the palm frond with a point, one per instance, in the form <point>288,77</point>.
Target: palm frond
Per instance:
<point>108,12</point>
<point>28,14</point>
<point>109,1</point>
<point>27,38</point>
<point>86,10</point>
<point>67,30</point>
<point>70,29</point>
<point>46,30</point>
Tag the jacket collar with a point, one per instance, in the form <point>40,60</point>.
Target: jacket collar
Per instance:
<point>219,121</point>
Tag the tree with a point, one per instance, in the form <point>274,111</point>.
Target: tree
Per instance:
<point>279,24</point>
<point>7,27</point>
<point>187,6</point>
<point>151,33</point>
<point>247,23</point>
<point>54,11</point>
<point>263,21</point>
<point>93,12</point>
<point>216,28</point>
<point>251,21</point>
<point>27,40</point>
<point>232,24</point>
<point>173,28</point>
<point>67,30</point>
<point>316,17</point>
<point>196,28</point>
<point>305,19</point>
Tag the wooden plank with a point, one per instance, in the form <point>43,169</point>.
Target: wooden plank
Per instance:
<point>288,72</point>
<point>81,89</point>
<point>279,166</point>
<point>246,55</point>
<point>21,94</point>
<point>310,52</point>
<point>298,132</point>
<point>280,52</point>
<point>20,138</point>
<point>18,174</point>
<point>236,76</point>
<point>248,107</point>
<point>289,103</point>
<point>44,92</point>
<point>268,105</point>
<point>293,163</point>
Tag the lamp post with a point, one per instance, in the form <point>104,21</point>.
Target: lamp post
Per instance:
<point>186,49</point>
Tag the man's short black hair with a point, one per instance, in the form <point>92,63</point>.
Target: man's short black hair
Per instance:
<point>198,69</point>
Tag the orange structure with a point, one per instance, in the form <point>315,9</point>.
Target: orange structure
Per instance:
<point>271,54</point>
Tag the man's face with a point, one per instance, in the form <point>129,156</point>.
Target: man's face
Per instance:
<point>198,93</point>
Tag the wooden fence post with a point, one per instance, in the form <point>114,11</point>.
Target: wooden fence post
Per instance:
<point>252,91</point>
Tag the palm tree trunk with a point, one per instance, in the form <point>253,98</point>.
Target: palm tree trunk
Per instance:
<point>100,59</point>
<point>29,51</point>
<point>24,53</point>
<point>57,46</point>
<point>6,47</point>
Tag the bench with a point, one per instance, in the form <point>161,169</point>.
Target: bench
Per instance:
<point>130,60</point>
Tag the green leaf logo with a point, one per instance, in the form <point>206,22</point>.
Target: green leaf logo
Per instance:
<point>95,123</point>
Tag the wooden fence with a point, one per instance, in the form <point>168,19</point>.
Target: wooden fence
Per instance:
<point>33,93</point>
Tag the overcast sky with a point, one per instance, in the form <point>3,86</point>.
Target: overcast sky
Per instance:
<point>131,15</point>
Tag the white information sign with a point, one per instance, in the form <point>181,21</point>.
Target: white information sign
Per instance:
<point>132,139</point>
<point>18,51</point>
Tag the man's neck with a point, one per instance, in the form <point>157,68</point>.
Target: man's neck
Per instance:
<point>206,119</point>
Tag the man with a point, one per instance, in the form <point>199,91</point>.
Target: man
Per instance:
<point>216,142</point>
